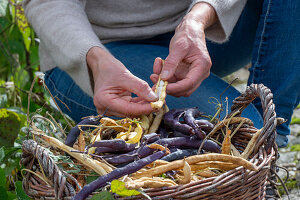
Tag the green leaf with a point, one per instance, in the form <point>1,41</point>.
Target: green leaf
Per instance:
<point>11,195</point>
<point>104,195</point>
<point>295,147</point>
<point>3,193</point>
<point>2,178</point>
<point>119,188</point>
<point>2,154</point>
<point>3,190</point>
<point>20,192</point>
<point>295,120</point>
<point>90,179</point>
<point>10,123</point>
<point>17,12</point>
<point>3,5</point>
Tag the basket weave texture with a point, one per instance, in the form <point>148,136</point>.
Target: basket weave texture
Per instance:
<point>238,183</point>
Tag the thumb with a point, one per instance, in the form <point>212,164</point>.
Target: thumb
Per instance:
<point>171,63</point>
<point>140,88</point>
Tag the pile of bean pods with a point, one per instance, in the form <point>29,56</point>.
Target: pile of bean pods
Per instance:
<point>166,157</point>
<point>123,141</point>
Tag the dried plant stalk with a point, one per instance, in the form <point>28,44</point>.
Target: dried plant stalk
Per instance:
<point>226,144</point>
<point>98,167</point>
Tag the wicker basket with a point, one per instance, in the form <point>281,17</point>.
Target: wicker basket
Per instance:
<point>238,183</point>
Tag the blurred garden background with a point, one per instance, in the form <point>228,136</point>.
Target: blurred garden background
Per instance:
<point>23,95</point>
<point>19,65</point>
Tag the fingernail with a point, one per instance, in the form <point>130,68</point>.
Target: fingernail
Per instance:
<point>164,74</point>
<point>152,96</point>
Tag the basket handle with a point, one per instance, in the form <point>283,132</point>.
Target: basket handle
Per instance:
<point>268,132</point>
<point>60,183</point>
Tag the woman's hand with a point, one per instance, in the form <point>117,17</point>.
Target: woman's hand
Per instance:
<point>113,85</point>
<point>188,62</point>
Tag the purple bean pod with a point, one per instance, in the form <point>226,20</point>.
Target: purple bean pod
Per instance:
<point>204,125</point>
<point>117,173</point>
<point>151,137</point>
<point>183,142</point>
<point>189,118</point>
<point>75,131</point>
<point>162,132</point>
<point>180,154</point>
<point>118,144</point>
<point>179,134</point>
<point>130,156</point>
<point>172,118</point>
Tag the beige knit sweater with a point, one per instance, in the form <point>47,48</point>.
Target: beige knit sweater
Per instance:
<point>69,28</point>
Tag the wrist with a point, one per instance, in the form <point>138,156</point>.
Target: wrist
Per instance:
<point>95,57</point>
<point>204,14</point>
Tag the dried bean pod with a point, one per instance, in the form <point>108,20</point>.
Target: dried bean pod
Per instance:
<point>117,173</point>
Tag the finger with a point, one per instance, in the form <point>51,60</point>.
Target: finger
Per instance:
<point>137,100</point>
<point>157,66</point>
<point>138,87</point>
<point>108,112</point>
<point>191,82</point>
<point>177,53</point>
<point>154,78</point>
<point>128,108</point>
<point>185,93</point>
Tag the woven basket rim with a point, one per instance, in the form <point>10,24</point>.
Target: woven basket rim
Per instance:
<point>265,154</point>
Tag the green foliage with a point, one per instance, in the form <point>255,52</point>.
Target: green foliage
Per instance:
<point>5,194</point>
<point>295,120</point>
<point>104,195</point>
<point>3,6</point>
<point>10,124</point>
<point>20,192</point>
<point>119,188</point>
<point>93,176</point>
<point>10,173</point>
<point>17,13</point>
<point>18,62</point>
<point>290,184</point>
<point>2,154</point>
<point>295,147</point>
<point>71,167</point>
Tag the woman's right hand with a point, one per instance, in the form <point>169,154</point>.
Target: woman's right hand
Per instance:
<point>113,85</point>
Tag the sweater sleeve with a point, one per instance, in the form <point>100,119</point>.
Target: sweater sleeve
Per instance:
<point>228,12</point>
<point>66,35</point>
